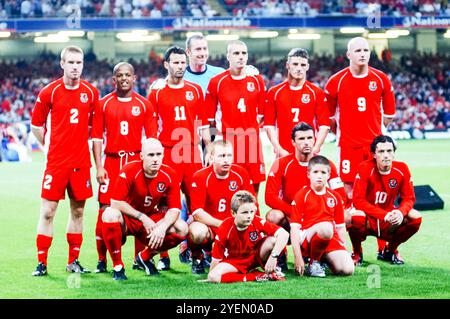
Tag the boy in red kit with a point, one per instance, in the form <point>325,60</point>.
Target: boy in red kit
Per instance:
<point>317,225</point>
<point>213,187</point>
<point>141,189</point>
<point>60,123</point>
<point>244,242</point>
<point>378,184</point>
<point>119,120</point>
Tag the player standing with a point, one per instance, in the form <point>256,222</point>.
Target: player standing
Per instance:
<point>60,122</point>
<point>292,101</point>
<point>119,120</point>
<point>379,182</point>
<point>141,190</point>
<point>235,100</point>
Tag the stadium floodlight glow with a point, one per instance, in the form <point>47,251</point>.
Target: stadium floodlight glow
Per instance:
<point>292,31</point>
<point>397,32</point>
<point>72,34</point>
<point>140,32</point>
<point>382,36</point>
<point>263,34</point>
<point>222,37</point>
<point>5,34</point>
<point>447,34</point>
<point>351,30</point>
<point>132,37</point>
<point>304,36</point>
<point>52,38</point>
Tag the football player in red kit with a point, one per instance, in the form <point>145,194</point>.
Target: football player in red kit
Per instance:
<point>119,120</point>
<point>378,184</point>
<point>60,122</point>
<point>213,187</point>
<point>141,190</point>
<point>245,242</point>
<point>317,224</point>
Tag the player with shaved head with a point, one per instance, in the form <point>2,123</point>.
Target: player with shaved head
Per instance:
<point>361,101</point>
<point>118,123</point>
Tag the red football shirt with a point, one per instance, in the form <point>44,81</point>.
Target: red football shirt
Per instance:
<point>311,208</point>
<point>375,193</point>
<point>213,194</point>
<point>231,243</point>
<point>65,112</point>
<point>286,106</point>
<point>123,120</point>
<point>181,112</point>
<point>235,102</point>
<point>359,104</point>
<point>145,194</point>
<point>287,176</point>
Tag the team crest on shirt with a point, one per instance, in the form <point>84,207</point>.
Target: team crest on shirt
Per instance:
<point>84,97</point>
<point>393,183</point>
<point>253,235</point>
<point>250,86</point>
<point>161,187</point>
<point>189,95</point>
<point>330,202</point>
<point>372,85</point>
<point>135,110</point>
<point>306,98</point>
<point>233,185</point>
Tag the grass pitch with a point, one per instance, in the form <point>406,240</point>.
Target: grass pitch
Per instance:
<point>426,273</point>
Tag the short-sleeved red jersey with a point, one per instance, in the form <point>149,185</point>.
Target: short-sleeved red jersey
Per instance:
<point>236,244</point>
<point>123,120</point>
<point>375,193</point>
<point>213,194</point>
<point>181,112</point>
<point>145,194</point>
<point>235,102</point>
<point>65,112</point>
<point>311,208</point>
<point>287,176</point>
<point>359,104</point>
<point>286,106</point>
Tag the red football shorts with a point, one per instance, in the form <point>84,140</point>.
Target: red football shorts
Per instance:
<point>185,160</point>
<point>246,264</point>
<point>335,244</point>
<point>135,228</point>
<point>247,151</point>
<point>113,164</point>
<point>349,160</point>
<point>56,180</point>
<point>379,228</point>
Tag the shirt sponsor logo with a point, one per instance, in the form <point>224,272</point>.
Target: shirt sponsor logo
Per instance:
<point>393,183</point>
<point>135,110</point>
<point>253,235</point>
<point>84,97</point>
<point>189,95</point>
<point>372,85</point>
<point>250,86</point>
<point>306,98</point>
<point>233,185</point>
<point>161,187</point>
<point>330,202</point>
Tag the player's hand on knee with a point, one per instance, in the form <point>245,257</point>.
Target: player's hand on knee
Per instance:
<point>148,224</point>
<point>299,266</point>
<point>250,70</point>
<point>271,263</point>
<point>396,218</point>
<point>156,237</point>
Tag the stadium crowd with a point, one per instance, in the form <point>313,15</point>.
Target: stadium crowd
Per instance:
<point>421,83</point>
<point>160,8</point>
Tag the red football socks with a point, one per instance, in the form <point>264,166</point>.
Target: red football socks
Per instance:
<point>101,247</point>
<point>171,240</point>
<point>404,232</point>
<point>318,246</point>
<point>381,244</point>
<point>138,246</point>
<point>112,235</point>
<point>43,243</point>
<point>238,277</point>
<point>164,254</point>
<point>74,241</point>
<point>357,233</point>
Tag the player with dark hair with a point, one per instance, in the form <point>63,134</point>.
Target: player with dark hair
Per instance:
<point>379,182</point>
<point>292,101</point>
<point>245,242</point>
<point>60,122</point>
<point>317,224</point>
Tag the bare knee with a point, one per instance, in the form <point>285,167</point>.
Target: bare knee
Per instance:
<point>111,215</point>
<point>214,276</point>
<point>325,230</point>
<point>413,214</point>
<point>198,232</point>
<point>275,216</point>
<point>346,269</point>
<point>48,211</point>
<point>181,228</point>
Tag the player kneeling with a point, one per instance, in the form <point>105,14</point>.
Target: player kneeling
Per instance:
<point>245,242</point>
<point>141,190</point>
<point>317,225</point>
